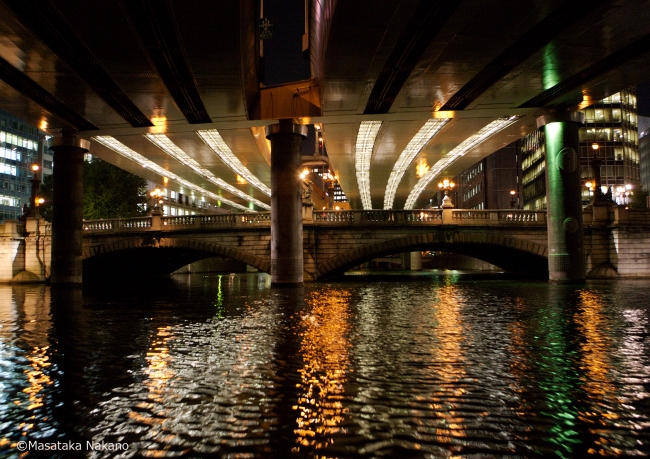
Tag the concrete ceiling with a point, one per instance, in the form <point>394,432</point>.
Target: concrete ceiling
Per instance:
<point>126,68</point>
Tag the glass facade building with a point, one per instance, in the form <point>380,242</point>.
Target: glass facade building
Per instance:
<point>21,145</point>
<point>611,127</point>
<point>644,159</point>
<point>491,183</point>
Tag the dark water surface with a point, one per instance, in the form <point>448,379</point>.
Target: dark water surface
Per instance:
<point>225,366</point>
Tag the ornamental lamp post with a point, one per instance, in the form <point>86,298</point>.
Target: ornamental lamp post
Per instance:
<point>446,185</point>
<point>330,184</point>
<point>34,201</point>
<point>157,196</point>
<point>595,166</point>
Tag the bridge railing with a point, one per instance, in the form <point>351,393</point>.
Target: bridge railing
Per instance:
<point>324,217</point>
<point>377,216</point>
<point>117,224</point>
<point>433,216</point>
<point>178,222</point>
<point>463,216</point>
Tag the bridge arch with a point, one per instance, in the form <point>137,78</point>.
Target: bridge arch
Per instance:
<point>150,256</point>
<point>509,253</point>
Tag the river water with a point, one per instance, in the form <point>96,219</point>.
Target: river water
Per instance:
<point>438,365</point>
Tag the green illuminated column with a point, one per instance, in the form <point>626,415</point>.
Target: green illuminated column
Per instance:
<point>67,205</point>
<point>566,260</point>
<point>287,264</point>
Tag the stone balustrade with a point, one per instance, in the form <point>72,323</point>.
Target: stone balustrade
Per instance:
<point>321,218</point>
<point>616,239</point>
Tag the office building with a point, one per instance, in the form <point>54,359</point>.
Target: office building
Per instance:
<point>21,145</point>
<point>609,136</point>
<point>644,159</point>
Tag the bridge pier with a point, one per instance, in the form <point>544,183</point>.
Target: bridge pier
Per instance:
<point>287,262</point>
<point>566,260</point>
<point>67,218</point>
<point>416,261</point>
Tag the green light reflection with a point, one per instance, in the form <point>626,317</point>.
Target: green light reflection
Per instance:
<point>218,302</point>
<point>550,76</point>
<point>562,382</point>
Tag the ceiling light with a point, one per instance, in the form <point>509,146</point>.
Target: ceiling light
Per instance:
<point>363,152</point>
<point>165,144</point>
<point>118,147</point>
<point>417,143</point>
<point>213,139</point>
<point>465,146</point>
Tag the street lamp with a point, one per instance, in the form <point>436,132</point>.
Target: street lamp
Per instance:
<point>595,189</point>
<point>33,199</point>
<point>446,185</point>
<point>330,183</point>
<point>157,196</point>
<point>513,201</point>
<point>306,187</point>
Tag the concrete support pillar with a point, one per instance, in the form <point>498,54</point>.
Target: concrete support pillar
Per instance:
<point>67,216</point>
<point>566,260</point>
<point>287,264</point>
<point>405,260</point>
<point>416,261</point>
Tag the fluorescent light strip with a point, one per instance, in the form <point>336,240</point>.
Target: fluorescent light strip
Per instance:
<point>169,147</point>
<point>213,139</point>
<point>417,143</point>
<point>363,152</point>
<point>118,147</point>
<point>469,143</point>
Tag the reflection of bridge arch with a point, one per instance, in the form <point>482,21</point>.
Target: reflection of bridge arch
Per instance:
<point>509,253</point>
<point>158,255</point>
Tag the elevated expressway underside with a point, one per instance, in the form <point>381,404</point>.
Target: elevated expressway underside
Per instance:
<point>116,71</point>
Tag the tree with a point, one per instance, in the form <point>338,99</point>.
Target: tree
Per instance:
<point>638,199</point>
<point>45,192</point>
<point>109,192</point>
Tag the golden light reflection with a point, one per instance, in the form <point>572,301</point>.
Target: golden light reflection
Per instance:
<point>422,168</point>
<point>325,351</point>
<point>36,376</point>
<point>159,121</point>
<point>596,364</point>
<point>158,359</point>
<point>241,180</point>
<point>449,352</point>
<point>152,412</point>
<point>587,100</point>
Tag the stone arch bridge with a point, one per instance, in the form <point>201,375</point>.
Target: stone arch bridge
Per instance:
<point>335,241</point>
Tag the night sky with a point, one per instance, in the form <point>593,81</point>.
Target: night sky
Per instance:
<point>643,99</point>
<point>283,53</point>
